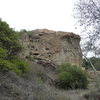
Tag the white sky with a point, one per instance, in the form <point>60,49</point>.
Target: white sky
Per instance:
<point>37,14</point>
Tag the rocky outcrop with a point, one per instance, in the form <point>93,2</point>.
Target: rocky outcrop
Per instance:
<point>53,46</point>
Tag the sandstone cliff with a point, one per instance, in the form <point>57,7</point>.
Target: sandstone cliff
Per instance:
<point>53,46</point>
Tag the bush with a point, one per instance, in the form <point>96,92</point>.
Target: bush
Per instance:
<point>71,77</point>
<point>65,78</point>
<point>9,48</point>
<point>2,53</point>
<point>17,66</point>
<point>5,65</point>
<point>9,39</point>
<point>20,64</point>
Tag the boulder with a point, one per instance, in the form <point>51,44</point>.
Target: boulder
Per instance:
<point>53,46</point>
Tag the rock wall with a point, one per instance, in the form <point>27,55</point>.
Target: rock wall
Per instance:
<point>53,46</point>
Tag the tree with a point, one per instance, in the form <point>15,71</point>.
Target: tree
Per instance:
<point>9,48</point>
<point>88,14</point>
<point>9,40</point>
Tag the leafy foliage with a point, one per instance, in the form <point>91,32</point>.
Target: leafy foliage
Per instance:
<point>65,78</point>
<point>5,65</point>
<point>9,48</point>
<point>8,39</point>
<point>71,76</point>
<point>20,64</point>
<point>2,53</point>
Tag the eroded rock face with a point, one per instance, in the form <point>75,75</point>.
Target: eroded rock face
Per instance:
<point>52,46</point>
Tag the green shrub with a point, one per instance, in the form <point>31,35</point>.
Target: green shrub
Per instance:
<point>65,78</point>
<point>9,48</point>
<point>71,76</point>
<point>9,39</point>
<point>2,53</point>
<point>17,66</point>
<point>5,65</point>
<point>20,64</point>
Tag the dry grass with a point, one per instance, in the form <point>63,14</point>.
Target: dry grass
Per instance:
<point>32,87</point>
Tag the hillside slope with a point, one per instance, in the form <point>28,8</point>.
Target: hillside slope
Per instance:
<point>28,72</point>
<point>35,86</point>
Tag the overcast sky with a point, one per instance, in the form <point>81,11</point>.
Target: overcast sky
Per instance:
<point>37,14</point>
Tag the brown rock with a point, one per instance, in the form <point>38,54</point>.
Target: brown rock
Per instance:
<point>58,47</point>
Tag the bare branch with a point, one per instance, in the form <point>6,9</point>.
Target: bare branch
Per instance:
<point>88,15</point>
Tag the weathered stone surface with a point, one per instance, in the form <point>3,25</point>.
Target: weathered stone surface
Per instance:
<point>53,46</point>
